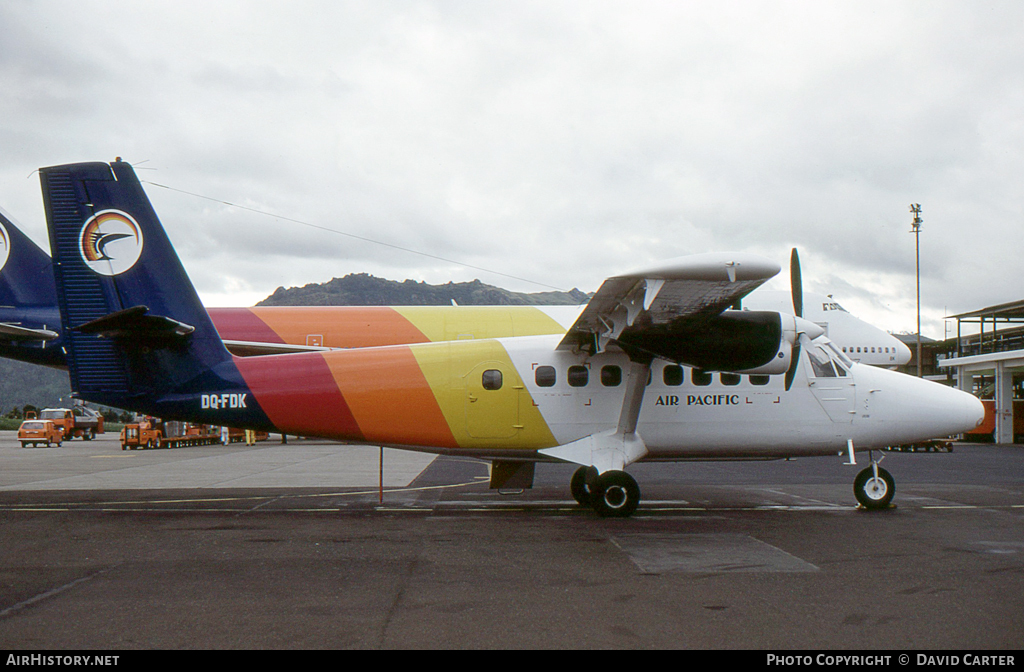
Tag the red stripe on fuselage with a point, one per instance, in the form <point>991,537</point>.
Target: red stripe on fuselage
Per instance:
<point>299,395</point>
<point>241,324</point>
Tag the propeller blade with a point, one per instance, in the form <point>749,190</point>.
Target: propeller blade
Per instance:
<point>791,371</point>
<point>796,283</point>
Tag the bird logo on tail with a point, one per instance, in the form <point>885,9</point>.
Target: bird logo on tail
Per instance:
<point>110,242</point>
<point>5,246</point>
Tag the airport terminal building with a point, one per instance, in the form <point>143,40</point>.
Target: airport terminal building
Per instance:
<point>989,363</point>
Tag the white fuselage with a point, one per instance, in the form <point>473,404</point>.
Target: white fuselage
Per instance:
<point>721,415</point>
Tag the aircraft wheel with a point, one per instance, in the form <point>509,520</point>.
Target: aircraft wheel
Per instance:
<point>872,492</point>
<point>616,495</point>
<point>578,485</point>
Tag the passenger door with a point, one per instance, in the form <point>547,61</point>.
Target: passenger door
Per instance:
<point>492,401</point>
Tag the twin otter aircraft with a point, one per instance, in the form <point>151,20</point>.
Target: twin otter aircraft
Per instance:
<point>656,367</point>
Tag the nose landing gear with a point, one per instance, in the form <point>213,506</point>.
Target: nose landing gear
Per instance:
<point>874,487</point>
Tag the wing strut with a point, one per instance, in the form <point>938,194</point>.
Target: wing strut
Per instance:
<point>615,449</point>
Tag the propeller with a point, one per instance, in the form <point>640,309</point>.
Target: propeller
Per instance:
<point>796,286</point>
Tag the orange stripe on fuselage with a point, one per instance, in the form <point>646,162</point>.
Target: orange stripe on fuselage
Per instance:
<point>389,397</point>
<point>338,326</point>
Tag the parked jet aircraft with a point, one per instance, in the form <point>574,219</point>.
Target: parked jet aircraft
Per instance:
<point>862,342</point>
<point>630,380</point>
<point>30,321</point>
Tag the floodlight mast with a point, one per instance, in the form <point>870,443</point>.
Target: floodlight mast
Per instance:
<point>915,209</point>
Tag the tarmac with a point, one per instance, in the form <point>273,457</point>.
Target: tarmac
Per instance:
<point>293,547</point>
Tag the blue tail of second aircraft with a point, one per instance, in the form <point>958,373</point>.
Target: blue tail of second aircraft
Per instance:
<point>29,320</point>
<point>25,275</point>
<point>137,335</point>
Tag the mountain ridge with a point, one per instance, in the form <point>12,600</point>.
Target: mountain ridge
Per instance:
<point>363,289</point>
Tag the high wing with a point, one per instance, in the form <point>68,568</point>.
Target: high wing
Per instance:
<point>675,310</point>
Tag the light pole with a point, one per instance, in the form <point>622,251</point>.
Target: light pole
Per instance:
<point>915,209</point>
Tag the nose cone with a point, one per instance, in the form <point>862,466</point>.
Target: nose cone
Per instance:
<point>905,409</point>
<point>974,411</point>
<point>903,353</point>
<point>944,410</point>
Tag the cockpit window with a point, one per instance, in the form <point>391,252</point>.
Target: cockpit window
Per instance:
<point>820,362</point>
<point>827,361</point>
<point>841,356</point>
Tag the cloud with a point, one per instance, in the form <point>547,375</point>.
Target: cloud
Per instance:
<point>556,142</point>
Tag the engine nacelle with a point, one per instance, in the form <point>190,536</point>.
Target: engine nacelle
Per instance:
<point>792,329</point>
<point>743,341</point>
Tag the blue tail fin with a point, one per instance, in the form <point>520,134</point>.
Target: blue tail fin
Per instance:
<point>25,275</point>
<point>137,334</point>
<point>29,320</point>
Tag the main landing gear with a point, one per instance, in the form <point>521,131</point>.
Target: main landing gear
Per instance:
<point>613,494</point>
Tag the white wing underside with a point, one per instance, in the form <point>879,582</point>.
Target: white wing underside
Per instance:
<point>698,285</point>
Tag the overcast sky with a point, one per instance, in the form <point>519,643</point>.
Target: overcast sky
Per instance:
<point>556,142</point>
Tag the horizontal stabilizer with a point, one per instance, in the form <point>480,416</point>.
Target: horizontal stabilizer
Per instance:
<point>254,348</point>
<point>12,332</point>
<point>136,323</point>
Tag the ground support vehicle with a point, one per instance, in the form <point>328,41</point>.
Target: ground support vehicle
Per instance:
<point>154,433</point>
<point>40,431</point>
<point>78,421</point>
<point>932,446</point>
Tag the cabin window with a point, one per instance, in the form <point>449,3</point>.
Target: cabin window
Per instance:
<point>611,375</point>
<point>545,376</point>
<point>700,378</point>
<point>672,375</point>
<point>579,376</point>
<point>492,379</point>
<point>760,379</point>
<point>730,378</point>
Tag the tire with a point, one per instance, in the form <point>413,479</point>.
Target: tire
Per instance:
<point>616,495</point>
<point>578,485</point>
<point>874,493</point>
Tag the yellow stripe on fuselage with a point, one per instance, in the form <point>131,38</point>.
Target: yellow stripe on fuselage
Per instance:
<point>502,419</point>
<point>452,323</point>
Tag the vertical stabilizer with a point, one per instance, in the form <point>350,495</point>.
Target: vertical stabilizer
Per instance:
<point>29,320</point>
<point>25,275</point>
<point>137,334</point>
